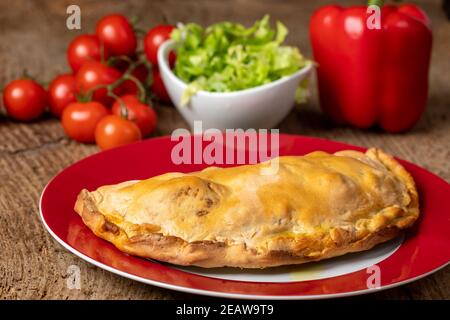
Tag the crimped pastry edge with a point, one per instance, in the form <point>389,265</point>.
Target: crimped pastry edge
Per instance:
<point>302,249</point>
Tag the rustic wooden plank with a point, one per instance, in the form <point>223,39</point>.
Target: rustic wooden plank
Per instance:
<point>34,37</point>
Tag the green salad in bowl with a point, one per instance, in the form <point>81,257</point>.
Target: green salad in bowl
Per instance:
<point>227,57</point>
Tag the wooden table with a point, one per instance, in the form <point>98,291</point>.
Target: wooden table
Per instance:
<point>33,36</point>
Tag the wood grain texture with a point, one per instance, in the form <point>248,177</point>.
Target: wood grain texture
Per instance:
<point>34,36</point>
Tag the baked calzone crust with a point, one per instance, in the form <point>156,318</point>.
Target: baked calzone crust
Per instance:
<point>317,206</point>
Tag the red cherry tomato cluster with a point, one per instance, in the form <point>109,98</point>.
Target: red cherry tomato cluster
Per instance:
<point>104,98</point>
<point>152,41</point>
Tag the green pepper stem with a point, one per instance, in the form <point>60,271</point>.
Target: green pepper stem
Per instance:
<point>378,3</point>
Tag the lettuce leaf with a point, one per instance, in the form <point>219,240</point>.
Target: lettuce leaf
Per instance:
<point>227,56</point>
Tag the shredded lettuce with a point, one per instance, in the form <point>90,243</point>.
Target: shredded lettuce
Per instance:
<point>227,56</point>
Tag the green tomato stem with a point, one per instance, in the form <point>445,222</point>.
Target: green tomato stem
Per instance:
<point>123,107</point>
<point>142,93</point>
<point>113,59</point>
<point>126,76</point>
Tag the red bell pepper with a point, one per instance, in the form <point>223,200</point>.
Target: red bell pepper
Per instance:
<point>372,76</point>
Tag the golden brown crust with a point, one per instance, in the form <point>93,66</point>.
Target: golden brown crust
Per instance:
<point>147,240</point>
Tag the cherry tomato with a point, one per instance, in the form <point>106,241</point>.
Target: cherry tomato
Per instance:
<point>61,91</point>
<point>79,120</point>
<point>114,131</point>
<point>93,74</point>
<point>158,88</point>
<point>85,47</point>
<point>24,99</point>
<point>117,34</point>
<point>141,114</point>
<point>153,40</point>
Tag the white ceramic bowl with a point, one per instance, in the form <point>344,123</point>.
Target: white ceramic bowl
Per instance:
<point>260,107</point>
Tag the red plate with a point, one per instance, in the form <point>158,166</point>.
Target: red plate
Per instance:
<point>426,247</point>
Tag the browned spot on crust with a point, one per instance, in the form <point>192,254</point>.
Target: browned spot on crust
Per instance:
<point>110,227</point>
<point>202,212</point>
<point>209,202</point>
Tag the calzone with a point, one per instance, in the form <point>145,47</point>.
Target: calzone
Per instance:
<point>313,207</point>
